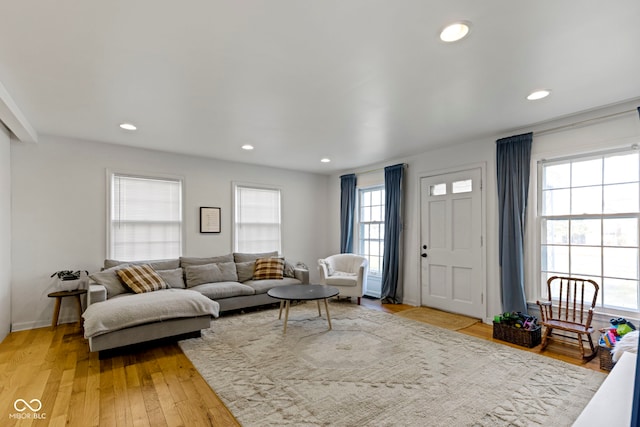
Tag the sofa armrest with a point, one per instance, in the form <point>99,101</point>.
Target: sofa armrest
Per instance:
<point>97,293</point>
<point>301,274</point>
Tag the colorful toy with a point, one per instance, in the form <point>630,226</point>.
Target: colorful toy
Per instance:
<point>530,323</point>
<point>610,338</point>
<point>622,326</point>
<point>624,329</point>
<point>517,320</point>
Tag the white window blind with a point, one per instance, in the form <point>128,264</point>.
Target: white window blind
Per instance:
<point>257,222</point>
<point>146,218</point>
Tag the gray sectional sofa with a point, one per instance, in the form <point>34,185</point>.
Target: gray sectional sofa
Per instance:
<point>116,317</point>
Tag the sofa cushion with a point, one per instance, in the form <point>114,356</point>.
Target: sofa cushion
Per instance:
<point>174,278</point>
<point>341,278</point>
<point>142,278</point>
<point>163,264</point>
<point>242,257</point>
<point>111,281</point>
<point>262,286</point>
<point>210,273</point>
<point>223,290</point>
<point>245,270</point>
<point>268,268</point>
<point>188,261</point>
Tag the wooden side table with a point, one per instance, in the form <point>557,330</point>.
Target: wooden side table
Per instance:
<point>62,294</point>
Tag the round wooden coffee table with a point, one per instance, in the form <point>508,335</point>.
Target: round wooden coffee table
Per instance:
<point>288,293</point>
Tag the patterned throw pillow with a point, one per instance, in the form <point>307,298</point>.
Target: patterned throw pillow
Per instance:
<point>268,268</point>
<point>142,278</point>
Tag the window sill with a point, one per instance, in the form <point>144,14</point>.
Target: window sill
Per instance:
<point>600,318</point>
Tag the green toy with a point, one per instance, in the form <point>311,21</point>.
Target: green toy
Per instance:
<point>624,329</point>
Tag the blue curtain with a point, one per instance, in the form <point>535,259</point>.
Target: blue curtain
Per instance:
<point>393,217</point>
<point>347,208</point>
<point>513,159</point>
<point>635,410</point>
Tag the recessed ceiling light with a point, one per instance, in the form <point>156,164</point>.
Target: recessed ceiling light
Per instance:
<point>325,160</point>
<point>455,32</point>
<point>538,94</point>
<point>127,126</point>
<point>247,147</point>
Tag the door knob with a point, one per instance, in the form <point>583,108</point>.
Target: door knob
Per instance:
<point>423,255</point>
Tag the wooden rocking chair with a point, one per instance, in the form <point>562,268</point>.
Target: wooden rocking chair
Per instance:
<point>570,309</point>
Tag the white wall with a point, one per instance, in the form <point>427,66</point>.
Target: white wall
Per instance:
<point>59,211</point>
<point>58,205</point>
<point>5,232</point>
<point>620,131</point>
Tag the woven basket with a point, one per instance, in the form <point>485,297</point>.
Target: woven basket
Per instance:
<point>606,359</point>
<point>517,336</point>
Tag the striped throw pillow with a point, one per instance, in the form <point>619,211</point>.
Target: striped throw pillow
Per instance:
<point>268,268</point>
<point>142,278</point>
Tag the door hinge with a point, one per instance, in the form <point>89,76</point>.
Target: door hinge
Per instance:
<point>482,298</point>
<point>481,241</point>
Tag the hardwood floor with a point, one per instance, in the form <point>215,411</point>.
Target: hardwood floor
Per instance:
<point>562,351</point>
<point>152,387</point>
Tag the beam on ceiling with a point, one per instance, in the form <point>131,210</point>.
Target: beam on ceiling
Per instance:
<point>13,119</point>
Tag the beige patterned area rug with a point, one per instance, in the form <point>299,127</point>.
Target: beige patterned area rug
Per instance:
<point>377,369</point>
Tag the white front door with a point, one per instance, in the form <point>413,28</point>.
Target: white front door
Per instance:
<point>452,277</point>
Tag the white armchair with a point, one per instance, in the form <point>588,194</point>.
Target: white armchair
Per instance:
<point>347,272</point>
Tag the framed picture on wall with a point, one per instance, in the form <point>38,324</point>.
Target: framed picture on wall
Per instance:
<point>209,220</point>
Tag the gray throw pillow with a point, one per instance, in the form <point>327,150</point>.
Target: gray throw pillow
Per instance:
<point>240,257</point>
<point>173,278</point>
<point>289,269</point>
<point>210,273</point>
<point>245,270</point>
<point>189,261</point>
<point>110,280</point>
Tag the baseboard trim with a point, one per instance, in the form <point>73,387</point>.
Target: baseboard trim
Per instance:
<point>25,326</point>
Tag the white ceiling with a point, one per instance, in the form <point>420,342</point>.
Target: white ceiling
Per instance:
<point>358,81</point>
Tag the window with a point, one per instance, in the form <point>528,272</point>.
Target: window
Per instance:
<point>371,227</point>
<point>465,186</point>
<point>438,190</point>
<point>257,221</point>
<point>145,218</point>
<point>589,211</point>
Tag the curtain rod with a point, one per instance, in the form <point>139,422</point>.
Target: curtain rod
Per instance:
<point>376,170</point>
<point>582,122</point>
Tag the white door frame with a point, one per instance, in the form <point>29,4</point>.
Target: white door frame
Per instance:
<point>483,224</point>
